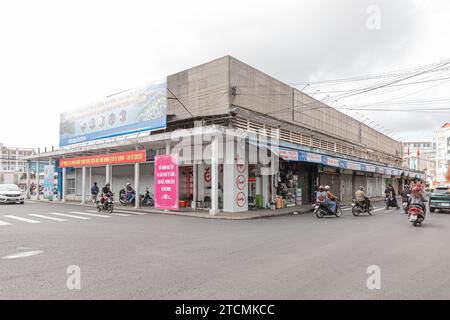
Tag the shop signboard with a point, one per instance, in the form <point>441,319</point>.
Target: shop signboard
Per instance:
<point>313,157</point>
<point>49,182</point>
<point>343,164</point>
<point>353,166</point>
<point>370,168</point>
<point>166,182</point>
<point>288,155</point>
<point>125,113</point>
<point>104,159</point>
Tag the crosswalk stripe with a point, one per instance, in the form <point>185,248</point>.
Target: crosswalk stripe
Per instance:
<point>46,217</point>
<point>90,214</point>
<point>114,214</point>
<point>68,215</point>
<point>22,219</point>
<point>3,223</point>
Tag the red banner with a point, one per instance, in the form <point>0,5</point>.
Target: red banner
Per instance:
<point>104,159</point>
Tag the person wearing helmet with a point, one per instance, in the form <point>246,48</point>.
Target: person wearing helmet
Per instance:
<point>130,192</point>
<point>405,192</point>
<point>361,197</point>
<point>331,199</point>
<point>106,190</point>
<point>321,195</point>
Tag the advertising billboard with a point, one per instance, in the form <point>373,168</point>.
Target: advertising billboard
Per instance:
<point>166,182</point>
<point>125,113</point>
<point>49,182</point>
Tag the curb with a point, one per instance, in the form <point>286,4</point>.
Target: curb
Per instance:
<point>187,214</point>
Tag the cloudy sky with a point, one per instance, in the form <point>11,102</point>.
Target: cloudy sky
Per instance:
<point>60,55</point>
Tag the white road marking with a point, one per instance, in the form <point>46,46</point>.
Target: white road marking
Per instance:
<point>22,219</point>
<point>379,209</point>
<point>69,215</point>
<point>3,223</point>
<point>46,217</point>
<point>90,214</point>
<point>132,212</point>
<point>114,214</point>
<point>23,254</point>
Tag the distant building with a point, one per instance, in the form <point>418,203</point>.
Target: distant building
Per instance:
<point>420,155</point>
<point>12,166</point>
<point>442,137</point>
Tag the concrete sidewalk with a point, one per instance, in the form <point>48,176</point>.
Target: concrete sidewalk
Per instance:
<point>200,213</point>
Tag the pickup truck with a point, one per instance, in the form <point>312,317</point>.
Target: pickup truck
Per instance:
<point>440,198</point>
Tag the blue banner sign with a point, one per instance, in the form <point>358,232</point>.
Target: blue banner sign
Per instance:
<point>125,113</point>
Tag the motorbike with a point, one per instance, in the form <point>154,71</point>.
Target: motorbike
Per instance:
<point>416,214</point>
<point>359,207</point>
<point>107,205</point>
<point>146,199</point>
<point>322,209</point>
<point>391,202</point>
<point>123,197</point>
<point>406,203</point>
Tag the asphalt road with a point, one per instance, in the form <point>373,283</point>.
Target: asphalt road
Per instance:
<point>155,256</point>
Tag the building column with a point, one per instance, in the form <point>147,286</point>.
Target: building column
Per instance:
<point>83,185</point>
<point>108,173</point>
<point>37,180</point>
<point>63,189</point>
<point>194,185</point>
<point>168,147</point>
<point>214,177</point>
<point>136,185</point>
<point>28,178</point>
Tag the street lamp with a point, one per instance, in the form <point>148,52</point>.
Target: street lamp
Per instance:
<point>317,91</point>
<point>307,85</point>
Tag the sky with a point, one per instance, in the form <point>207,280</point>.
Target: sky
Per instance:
<point>62,55</point>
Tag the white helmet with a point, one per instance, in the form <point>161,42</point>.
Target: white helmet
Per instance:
<point>327,187</point>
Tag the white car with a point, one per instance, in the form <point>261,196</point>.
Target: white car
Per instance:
<point>10,193</point>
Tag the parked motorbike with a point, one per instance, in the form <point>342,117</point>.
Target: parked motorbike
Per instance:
<point>123,197</point>
<point>359,207</point>
<point>416,214</point>
<point>146,199</point>
<point>108,204</point>
<point>322,209</point>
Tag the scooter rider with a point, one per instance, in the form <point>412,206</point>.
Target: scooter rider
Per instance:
<point>406,190</point>
<point>321,195</point>
<point>106,191</point>
<point>361,197</point>
<point>331,199</point>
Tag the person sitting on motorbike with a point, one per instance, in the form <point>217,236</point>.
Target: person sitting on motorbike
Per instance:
<point>130,192</point>
<point>361,197</point>
<point>321,195</point>
<point>106,191</point>
<point>391,201</point>
<point>406,190</point>
<point>418,198</point>
<point>331,199</point>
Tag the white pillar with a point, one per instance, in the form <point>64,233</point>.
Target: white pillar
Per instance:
<point>63,191</point>
<point>28,179</point>
<point>108,173</point>
<point>136,184</point>
<point>168,147</point>
<point>37,180</point>
<point>265,189</point>
<point>214,177</point>
<point>194,186</point>
<point>83,185</point>
<point>90,178</point>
